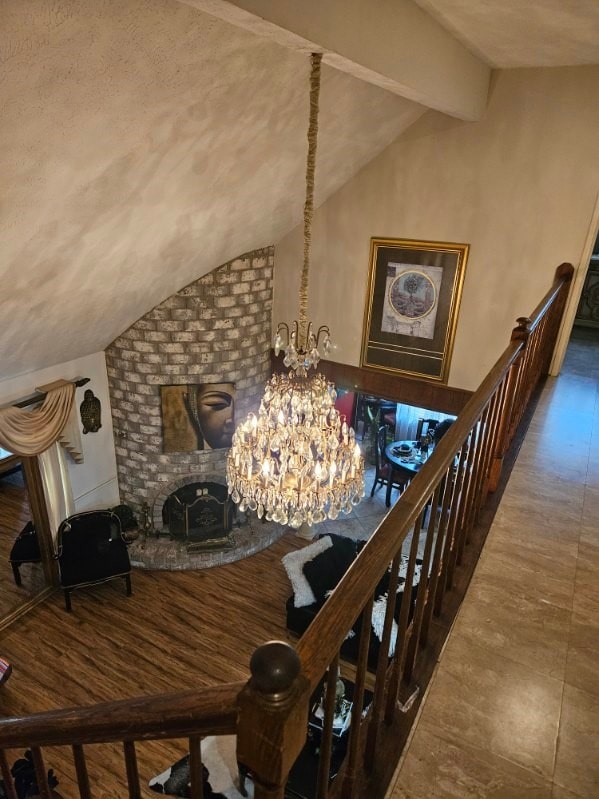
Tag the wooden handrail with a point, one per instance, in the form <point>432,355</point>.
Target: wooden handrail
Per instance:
<point>208,711</point>
<point>563,274</point>
<point>484,426</point>
<point>536,360</point>
<point>326,633</point>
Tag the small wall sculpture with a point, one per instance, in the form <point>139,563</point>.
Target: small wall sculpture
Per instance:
<point>91,412</point>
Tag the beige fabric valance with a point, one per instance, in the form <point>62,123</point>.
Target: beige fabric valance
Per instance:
<point>31,432</point>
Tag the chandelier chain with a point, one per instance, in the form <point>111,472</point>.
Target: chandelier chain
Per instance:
<point>297,461</point>
<point>315,60</point>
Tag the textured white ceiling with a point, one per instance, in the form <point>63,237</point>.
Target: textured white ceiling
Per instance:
<point>523,33</point>
<point>141,145</point>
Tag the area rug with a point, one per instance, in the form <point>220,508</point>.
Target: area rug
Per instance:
<point>220,761</point>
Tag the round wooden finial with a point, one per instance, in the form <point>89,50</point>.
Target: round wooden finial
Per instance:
<point>274,667</point>
<point>522,330</point>
<point>564,272</point>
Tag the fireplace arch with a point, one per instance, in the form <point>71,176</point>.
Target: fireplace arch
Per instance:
<point>176,487</point>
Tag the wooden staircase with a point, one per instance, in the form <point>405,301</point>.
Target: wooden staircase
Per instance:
<point>442,509</point>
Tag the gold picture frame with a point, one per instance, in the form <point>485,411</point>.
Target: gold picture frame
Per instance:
<point>412,304</point>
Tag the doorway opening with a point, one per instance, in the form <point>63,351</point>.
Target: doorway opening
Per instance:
<point>582,352</point>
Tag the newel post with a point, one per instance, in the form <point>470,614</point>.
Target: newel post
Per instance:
<point>273,718</point>
<point>510,411</point>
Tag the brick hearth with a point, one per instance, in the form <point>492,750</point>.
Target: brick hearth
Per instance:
<point>151,552</point>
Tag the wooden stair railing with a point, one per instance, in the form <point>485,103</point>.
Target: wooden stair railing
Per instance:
<point>191,714</point>
<point>431,530</point>
<point>440,510</point>
<point>539,334</point>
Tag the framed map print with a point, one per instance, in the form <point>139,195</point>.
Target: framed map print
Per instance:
<point>412,303</point>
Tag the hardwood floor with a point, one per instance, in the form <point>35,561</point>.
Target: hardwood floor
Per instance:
<point>14,514</point>
<point>177,631</point>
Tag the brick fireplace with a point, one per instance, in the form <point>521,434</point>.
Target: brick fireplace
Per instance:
<point>217,329</point>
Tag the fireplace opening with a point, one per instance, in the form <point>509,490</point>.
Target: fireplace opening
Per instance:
<point>201,514</point>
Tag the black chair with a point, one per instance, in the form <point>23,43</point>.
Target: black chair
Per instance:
<point>388,415</point>
<point>440,429</point>
<point>26,549</point>
<point>426,427</point>
<point>91,550</point>
<point>384,472</point>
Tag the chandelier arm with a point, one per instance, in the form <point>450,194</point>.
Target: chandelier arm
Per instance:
<point>316,59</point>
<point>323,330</point>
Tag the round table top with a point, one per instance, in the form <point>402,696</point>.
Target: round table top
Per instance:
<point>407,459</point>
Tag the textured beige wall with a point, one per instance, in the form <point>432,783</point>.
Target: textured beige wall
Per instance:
<point>519,186</point>
<point>142,144</point>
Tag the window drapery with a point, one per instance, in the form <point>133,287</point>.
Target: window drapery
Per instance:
<point>30,432</point>
<point>57,487</point>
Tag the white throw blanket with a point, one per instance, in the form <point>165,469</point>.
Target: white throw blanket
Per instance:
<point>219,755</point>
<point>379,607</point>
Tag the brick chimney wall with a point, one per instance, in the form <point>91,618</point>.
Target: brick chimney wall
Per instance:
<point>217,329</point>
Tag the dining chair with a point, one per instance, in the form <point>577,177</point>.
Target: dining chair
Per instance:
<point>384,472</point>
<point>388,415</point>
<point>425,427</point>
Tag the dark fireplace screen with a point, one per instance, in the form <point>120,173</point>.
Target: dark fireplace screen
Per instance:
<point>200,513</point>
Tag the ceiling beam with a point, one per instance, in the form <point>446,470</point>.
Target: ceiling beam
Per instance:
<point>390,43</point>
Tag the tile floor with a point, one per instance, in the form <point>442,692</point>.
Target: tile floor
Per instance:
<point>513,709</point>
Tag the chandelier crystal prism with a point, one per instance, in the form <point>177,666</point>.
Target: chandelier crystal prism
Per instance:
<point>297,461</point>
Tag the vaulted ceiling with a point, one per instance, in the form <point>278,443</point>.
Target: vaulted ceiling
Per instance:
<point>523,33</point>
<point>144,143</point>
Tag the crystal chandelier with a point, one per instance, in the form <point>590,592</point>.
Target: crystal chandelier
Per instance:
<point>297,461</point>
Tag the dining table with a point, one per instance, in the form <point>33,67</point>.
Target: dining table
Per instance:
<point>404,457</point>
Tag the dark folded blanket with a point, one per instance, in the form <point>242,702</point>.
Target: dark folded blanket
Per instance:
<point>175,781</point>
<point>25,779</point>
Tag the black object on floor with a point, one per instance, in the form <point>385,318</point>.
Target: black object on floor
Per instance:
<point>26,549</point>
<point>25,779</point>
